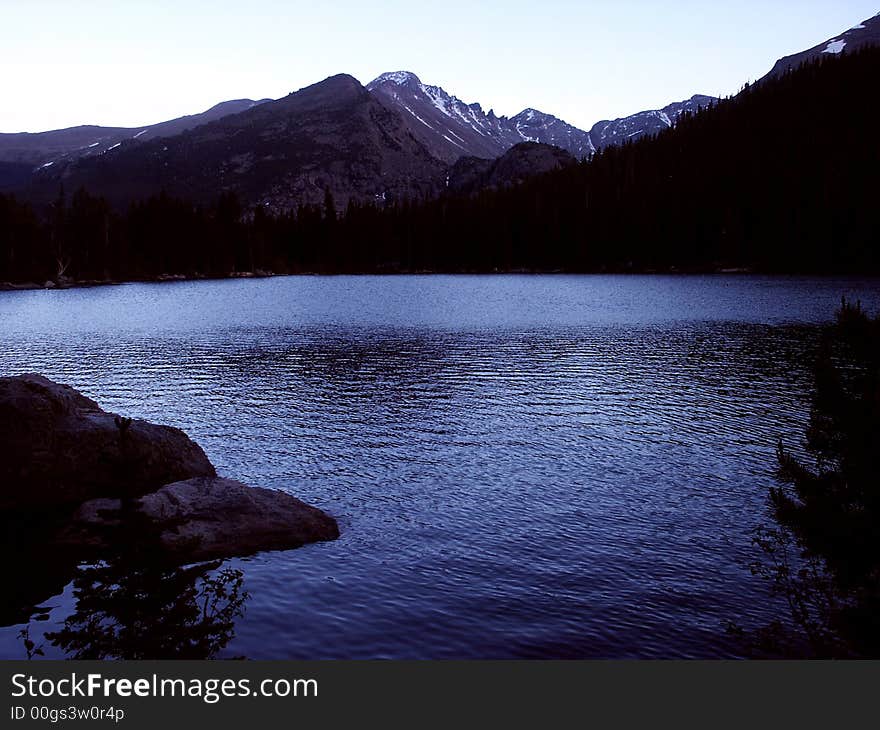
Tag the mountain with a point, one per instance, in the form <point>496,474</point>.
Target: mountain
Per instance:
<point>333,136</point>
<point>520,162</point>
<point>451,128</point>
<point>45,148</point>
<point>866,33</point>
<point>37,149</point>
<point>182,124</point>
<point>737,186</point>
<point>618,131</point>
<point>448,127</point>
<point>394,139</point>
<point>535,126</point>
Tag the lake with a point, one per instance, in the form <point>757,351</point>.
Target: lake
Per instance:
<point>521,466</point>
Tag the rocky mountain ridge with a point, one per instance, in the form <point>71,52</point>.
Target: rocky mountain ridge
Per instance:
<point>451,128</point>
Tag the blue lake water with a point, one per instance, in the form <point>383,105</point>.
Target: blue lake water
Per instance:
<point>521,466</point>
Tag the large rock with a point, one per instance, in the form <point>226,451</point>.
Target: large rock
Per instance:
<point>206,519</point>
<point>58,447</point>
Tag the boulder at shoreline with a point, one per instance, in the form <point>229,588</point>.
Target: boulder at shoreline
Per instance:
<point>62,455</point>
<point>208,518</point>
<point>59,448</point>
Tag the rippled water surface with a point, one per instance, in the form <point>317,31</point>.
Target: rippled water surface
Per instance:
<point>521,466</point>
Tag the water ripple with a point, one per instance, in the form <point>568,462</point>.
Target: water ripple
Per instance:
<point>518,472</point>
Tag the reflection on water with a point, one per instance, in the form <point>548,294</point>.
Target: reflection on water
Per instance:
<point>521,466</point>
<point>132,604</point>
<point>34,571</point>
<point>134,610</point>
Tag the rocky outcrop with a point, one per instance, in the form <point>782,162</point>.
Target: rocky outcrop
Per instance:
<point>471,175</point>
<point>58,448</point>
<point>80,484</point>
<point>209,518</point>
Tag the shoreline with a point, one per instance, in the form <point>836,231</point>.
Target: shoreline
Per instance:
<point>8,286</point>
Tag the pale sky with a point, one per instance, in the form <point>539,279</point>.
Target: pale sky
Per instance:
<point>133,62</point>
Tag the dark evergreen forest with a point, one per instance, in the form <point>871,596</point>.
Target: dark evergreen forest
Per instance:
<point>782,177</point>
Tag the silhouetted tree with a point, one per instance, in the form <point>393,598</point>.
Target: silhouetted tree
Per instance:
<point>824,554</point>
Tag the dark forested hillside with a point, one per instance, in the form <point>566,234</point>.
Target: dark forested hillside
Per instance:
<point>782,177</point>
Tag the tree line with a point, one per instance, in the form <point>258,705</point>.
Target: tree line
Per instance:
<point>779,178</point>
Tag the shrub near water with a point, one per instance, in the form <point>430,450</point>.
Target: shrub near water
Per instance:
<point>824,554</point>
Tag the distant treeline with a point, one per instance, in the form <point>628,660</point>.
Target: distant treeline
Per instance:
<point>783,177</point>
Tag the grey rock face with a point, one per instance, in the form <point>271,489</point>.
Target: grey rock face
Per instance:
<point>58,447</point>
<point>210,518</point>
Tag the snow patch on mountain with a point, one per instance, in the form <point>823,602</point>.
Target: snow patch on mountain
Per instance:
<point>457,144</point>
<point>395,77</point>
<point>450,128</point>
<point>866,33</point>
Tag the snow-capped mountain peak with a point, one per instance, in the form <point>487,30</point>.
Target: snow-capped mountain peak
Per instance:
<point>527,114</point>
<point>452,128</point>
<point>398,78</point>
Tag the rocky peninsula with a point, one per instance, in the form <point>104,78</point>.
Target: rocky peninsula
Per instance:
<point>73,478</point>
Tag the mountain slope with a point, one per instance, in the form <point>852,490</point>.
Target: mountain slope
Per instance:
<point>59,145</point>
<point>182,124</point>
<point>737,185</point>
<point>449,127</point>
<point>45,148</point>
<point>627,129</point>
<point>866,33</point>
<point>332,136</point>
<point>535,126</point>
